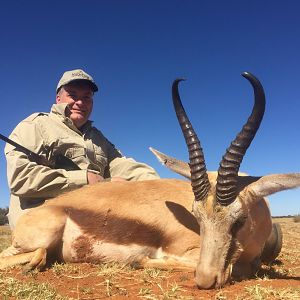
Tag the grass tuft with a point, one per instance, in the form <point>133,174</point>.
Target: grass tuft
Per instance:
<point>11,287</point>
<point>65,269</point>
<point>258,292</point>
<point>112,269</point>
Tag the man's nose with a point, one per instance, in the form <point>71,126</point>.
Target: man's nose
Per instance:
<point>79,100</point>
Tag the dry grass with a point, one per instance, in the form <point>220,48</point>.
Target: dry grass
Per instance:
<point>5,237</point>
<point>12,288</point>
<point>297,218</point>
<point>258,292</point>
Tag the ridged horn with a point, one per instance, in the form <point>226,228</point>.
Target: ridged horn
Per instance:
<point>226,188</point>
<point>199,178</point>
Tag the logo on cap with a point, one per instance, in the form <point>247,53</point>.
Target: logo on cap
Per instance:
<point>80,74</point>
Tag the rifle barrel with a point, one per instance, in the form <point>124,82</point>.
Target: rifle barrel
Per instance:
<point>60,161</point>
<point>18,146</point>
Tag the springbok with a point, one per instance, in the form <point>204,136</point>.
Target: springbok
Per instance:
<point>149,223</point>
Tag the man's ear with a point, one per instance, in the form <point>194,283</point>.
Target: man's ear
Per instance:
<point>57,98</point>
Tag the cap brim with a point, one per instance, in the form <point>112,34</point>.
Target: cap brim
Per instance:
<point>90,83</point>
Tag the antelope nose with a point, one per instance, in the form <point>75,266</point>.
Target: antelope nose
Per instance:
<point>206,281</point>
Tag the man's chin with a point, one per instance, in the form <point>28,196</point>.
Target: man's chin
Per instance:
<point>77,116</point>
<point>78,119</point>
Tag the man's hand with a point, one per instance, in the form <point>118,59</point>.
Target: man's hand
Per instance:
<point>93,177</point>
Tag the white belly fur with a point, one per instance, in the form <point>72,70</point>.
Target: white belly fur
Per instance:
<point>79,246</point>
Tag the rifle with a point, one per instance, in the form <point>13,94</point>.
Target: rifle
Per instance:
<point>59,161</point>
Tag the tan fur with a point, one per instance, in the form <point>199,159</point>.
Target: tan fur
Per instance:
<point>118,212</point>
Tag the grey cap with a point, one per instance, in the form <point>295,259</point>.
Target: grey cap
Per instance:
<point>73,75</point>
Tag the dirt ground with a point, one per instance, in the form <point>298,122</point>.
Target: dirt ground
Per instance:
<point>85,281</point>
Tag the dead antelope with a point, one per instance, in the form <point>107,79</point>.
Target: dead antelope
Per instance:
<point>149,223</point>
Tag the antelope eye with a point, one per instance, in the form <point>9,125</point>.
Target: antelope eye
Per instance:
<point>239,223</point>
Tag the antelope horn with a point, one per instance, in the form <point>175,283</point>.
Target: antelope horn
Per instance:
<point>199,178</point>
<point>226,188</point>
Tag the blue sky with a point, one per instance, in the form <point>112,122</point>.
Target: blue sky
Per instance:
<point>135,49</point>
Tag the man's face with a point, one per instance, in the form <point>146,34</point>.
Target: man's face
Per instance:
<point>79,97</point>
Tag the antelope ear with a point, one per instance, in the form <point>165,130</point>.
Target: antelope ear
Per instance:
<point>270,184</point>
<point>178,166</point>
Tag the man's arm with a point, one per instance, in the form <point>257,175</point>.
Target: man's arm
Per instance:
<point>132,170</point>
<point>29,179</point>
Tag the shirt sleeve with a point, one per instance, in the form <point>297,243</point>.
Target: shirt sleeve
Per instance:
<point>130,169</point>
<point>28,179</point>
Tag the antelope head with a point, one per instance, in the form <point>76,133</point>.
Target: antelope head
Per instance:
<point>226,205</point>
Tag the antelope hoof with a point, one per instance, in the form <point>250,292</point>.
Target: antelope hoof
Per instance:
<point>37,261</point>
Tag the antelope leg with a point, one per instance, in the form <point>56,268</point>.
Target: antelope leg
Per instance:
<point>34,259</point>
<point>167,263</point>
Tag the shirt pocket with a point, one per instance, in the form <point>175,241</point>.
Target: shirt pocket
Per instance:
<point>75,152</point>
<point>77,155</point>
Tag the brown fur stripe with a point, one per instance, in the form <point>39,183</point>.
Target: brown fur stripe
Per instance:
<point>119,230</point>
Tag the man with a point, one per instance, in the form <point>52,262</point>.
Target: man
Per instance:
<point>65,130</point>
